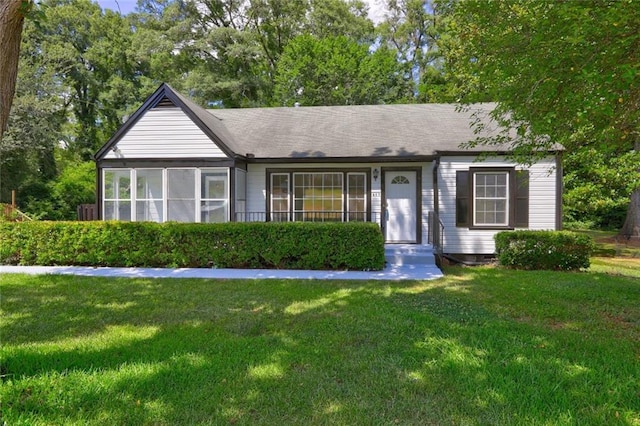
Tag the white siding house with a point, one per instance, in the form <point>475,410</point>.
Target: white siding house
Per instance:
<point>400,166</point>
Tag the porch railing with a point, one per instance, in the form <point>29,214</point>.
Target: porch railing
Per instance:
<point>435,232</point>
<point>314,216</point>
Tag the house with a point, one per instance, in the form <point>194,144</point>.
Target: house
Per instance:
<point>397,165</point>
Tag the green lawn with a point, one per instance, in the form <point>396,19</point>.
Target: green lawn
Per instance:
<point>480,346</point>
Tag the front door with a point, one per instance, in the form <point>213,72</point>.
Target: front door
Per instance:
<point>401,213</point>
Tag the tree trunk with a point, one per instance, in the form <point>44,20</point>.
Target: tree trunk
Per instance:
<point>11,20</point>
<point>631,227</point>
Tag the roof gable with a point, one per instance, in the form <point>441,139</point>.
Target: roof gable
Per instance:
<point>165,99</point>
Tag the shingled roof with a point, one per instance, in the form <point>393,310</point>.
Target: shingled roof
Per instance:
<point>376,131</point>
<point>383,132</point>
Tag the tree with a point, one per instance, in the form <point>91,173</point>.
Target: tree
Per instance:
<point>562,72</point>
<point>337,71</point>
<point>90,53</point>
<point>12,14</point>
<point>417,30</point>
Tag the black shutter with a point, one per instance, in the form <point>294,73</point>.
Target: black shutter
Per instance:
<point>463,198</point>
<point>522,199</point>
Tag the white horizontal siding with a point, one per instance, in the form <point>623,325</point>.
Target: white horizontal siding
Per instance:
<point>542,203</point>
<point>257,185</point>
<point>165,133</point>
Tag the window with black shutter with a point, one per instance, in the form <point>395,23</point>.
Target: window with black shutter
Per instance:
<point>492,198</point>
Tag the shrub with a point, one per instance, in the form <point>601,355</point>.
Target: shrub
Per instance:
<point>337,246</point>
<point>551,250</point>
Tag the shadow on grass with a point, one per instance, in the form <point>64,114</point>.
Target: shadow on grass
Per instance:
<point>483,346</point>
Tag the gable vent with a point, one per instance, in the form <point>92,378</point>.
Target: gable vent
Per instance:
<point>165,103</point>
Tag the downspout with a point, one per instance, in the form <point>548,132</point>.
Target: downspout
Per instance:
<point>98,189</point>
<point>435,232</point>
<point>559,190</point>
<point>436,199</point>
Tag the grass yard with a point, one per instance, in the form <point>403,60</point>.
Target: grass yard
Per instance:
<point>480,346</point>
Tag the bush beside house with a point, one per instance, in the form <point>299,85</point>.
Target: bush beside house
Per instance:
<point>336,246</point>
<point>549,250</point>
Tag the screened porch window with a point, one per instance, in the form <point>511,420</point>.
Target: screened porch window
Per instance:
<point>214,190</point>
<point>149,198</point>
<point>117,195</point>
<point>166,194</point>
<point>181,195</point>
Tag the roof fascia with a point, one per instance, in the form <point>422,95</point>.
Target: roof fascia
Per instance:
<point>173,97</point>
<point>412,159</point>
<point>476,153</point>
<point>149,103</point>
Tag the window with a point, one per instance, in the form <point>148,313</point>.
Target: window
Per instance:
<point>356,197</point>
<point>213,198</point>
<point>317,197</point>
<point>323,196</point>
<point>490,201</point>
<point>400,180</point>
<point>181,195</point>
<point>280,197</point>
<point>117,195</point>
<point>492,198</point>
<point>149,198</point>
<point>163,194</point>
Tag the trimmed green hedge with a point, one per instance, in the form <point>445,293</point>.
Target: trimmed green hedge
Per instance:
<point>550,250</point>
<point>335,246</point>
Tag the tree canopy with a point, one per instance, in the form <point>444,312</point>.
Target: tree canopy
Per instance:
<point>566,70</point>
<point>563,72</point>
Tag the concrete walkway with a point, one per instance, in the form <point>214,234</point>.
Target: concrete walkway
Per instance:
<point>391,272</point>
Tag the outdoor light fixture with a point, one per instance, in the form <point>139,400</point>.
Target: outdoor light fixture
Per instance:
<point>115,149</point>
<point>376,173</point>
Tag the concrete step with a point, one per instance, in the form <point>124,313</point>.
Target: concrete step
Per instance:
<point>409,254</point>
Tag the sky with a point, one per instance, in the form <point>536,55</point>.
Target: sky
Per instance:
<point>376,10</point>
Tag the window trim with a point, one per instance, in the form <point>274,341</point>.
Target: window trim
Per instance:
<point>117,200</point>
<point>344,171</point>
<point>511,198</point>
<point>475,198</point>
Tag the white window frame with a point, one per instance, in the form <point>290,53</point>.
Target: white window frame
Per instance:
<point>133,193</point>
<point>134,204</point>
<point>116,191</point>
<point>200,198</point>
<point>506,198</point>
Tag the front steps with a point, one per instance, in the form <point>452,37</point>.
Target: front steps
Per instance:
<point>409,254</point>
<point>411,261</point>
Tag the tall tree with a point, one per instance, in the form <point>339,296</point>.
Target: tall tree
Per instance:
<point>337,71</point>
<point>415,28</point>
<point>12,14</point>
<point>562,72</point>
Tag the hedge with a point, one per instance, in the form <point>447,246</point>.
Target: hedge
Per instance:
<point>334,246</point>
<point>549,250</point>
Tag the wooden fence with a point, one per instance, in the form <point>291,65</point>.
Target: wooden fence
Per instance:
<point>87,212</point>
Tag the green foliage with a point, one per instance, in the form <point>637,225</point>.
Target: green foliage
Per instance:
<point>337,71</point>
<point>597,187</point>
<point>355,246</point>
<point>546,250</point>
<point>562,72</point>
<point>417,31</point>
